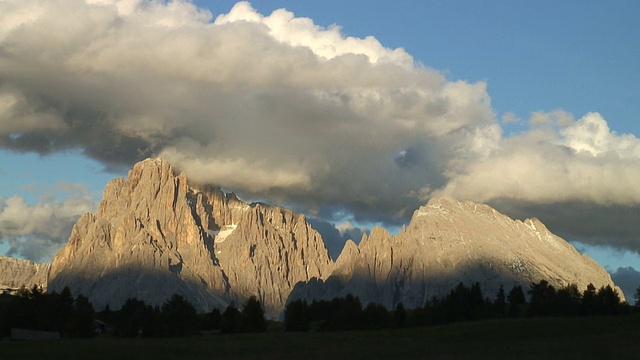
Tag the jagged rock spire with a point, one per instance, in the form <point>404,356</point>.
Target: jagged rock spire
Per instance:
<point>154,235</point>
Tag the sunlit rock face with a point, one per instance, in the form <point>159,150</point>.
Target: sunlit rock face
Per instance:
<point>154,235</point>
<point>446,242</point>
<point>15,273</point>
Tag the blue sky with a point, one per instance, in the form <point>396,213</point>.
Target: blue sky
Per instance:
<point>531,107</point>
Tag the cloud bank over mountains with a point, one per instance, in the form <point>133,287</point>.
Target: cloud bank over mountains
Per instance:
<point>278,108</point>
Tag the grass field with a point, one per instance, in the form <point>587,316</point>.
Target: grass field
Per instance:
<point>551,338</point>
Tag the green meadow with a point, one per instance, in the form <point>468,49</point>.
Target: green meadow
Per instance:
<point>520,339</point>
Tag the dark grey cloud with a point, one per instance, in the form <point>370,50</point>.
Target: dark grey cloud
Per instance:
<point>628,279</point>
<point>335,238</point>
<point>587,222</point>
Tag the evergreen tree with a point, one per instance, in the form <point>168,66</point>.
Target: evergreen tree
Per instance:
<point>33,308</point>
<point>253,316</point>
<point>345,314</point>
<point>433,313</point>
<point>400,316</point>
<point>179,317</point>
<point>296,316</point>
<point>464,303</point>
<point>500,303</point>
<point>156,324</point>
<point>231,320</point>
<point>82,319</point>
<point>589,304</point>
<point>61,309</point>
<point>516,300</point>
<point>543,299</point>
<point>133,319</point>
<point>320,310</point>
<point>569,300</point>
<point>375,316</point>
<point>476,302</point>
<point>608,301</point>
<point>212,320</point>
<point>9,311</point>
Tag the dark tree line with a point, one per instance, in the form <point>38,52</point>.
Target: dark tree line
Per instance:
<point>176,317</point>
<point>569,301</point>
<point>341,314</point>
<point>463,303</point>
<point>250,320</point>
<point>33,309</point>
<point>467,303</point>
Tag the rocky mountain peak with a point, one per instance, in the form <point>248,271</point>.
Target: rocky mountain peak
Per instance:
<point>157,169</point>
<point>449,241</point>
<point>377,237</point>
<point>154,234</point>
<point>449,208</point>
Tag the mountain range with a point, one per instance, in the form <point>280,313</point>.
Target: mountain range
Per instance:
<point>155,234</point>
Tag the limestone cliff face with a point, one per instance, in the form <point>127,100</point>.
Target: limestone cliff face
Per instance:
<point>267,253</point>
<point>15,273</point>
<point>448,241</point>
<point>154,235</point>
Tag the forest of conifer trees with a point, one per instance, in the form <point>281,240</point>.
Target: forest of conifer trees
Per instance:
<point>75,317</point>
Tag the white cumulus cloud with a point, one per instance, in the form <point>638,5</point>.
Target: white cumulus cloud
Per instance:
<point>565,160</point>
<point>273,106</point>
<point>36,231</point>
<point>276,107</point>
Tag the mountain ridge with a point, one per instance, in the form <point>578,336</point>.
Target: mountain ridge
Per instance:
<point>449,241</point>
<point>154,234</point>
<point>15,273</point>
